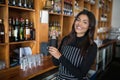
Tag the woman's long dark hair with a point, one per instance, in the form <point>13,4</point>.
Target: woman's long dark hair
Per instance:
<point>89,34</point>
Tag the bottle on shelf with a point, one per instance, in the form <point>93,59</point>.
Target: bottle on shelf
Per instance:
<point>13,2</point>
<point>25,4</point>
<point>77,8</point>
<point>58,28</point>
<point>30,4</point>
<point>2,31</point>
<point>20,3</point>
<point>32,31</point>
<point>10,2</point>
<point>21,29</point>
<point>26,30</point>
<point>68,7</point>
<point>2,1</point>
<point>57,6</point>
<point>16,29</point>
<point>10,30</point>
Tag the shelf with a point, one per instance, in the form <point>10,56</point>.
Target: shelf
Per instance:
<point>2,5</point>
<point>21,8</point>
<point>31,41</point>
<point>55,14</point>
<point>68,15</point>
<point>2,44</point>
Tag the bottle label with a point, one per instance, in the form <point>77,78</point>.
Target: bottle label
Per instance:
<point>15,33</point>
<point>10,34</point>
<point>2,33</point>
<point>27,31</point>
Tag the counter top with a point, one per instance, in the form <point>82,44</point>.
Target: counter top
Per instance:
<point>106,43</point>
<point>16,73</point>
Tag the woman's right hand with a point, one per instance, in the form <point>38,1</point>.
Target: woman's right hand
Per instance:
<point>54,52</point>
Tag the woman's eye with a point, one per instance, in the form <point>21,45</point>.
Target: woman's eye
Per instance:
<point>85,22</point>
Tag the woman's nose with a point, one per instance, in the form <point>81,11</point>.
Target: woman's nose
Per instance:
<point>80,23</point>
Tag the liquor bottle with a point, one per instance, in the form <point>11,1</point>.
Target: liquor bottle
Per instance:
<point>20,3</point>
<point>2,32</point>
<point>2,1</point>
<point>30,4</point>
<point>27,30</point>
<point>25,4</point>
<point>52,8</point>
<point>58,28</point>
<point>32,31</point>
<point>16,30</point>
<point>10,30</point>
<point>21,30</point>
<point>13,2</point>
<point>53,40</point>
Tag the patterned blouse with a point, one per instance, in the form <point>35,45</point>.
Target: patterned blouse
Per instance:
<point>72,65</point>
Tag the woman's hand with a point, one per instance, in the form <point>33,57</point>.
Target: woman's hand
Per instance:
<point>54,52</point>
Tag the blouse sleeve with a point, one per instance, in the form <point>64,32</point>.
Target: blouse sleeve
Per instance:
<point>54,60</point>
<point>83,69</point>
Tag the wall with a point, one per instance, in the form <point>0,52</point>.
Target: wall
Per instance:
<point>116,14</point>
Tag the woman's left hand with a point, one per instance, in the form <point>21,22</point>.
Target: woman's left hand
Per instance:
<point>54,52</point>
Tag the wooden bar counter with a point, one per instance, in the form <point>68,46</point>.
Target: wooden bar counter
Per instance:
<point>16,73</point>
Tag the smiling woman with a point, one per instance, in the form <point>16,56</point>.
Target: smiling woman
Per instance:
<point>78,50</point>
<point>81,25</point>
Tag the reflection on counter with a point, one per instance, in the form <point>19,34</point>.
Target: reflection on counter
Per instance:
<point>50,75</point>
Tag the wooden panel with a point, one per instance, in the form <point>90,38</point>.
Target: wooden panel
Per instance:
<point>43,32</point>
<point>67,25</point>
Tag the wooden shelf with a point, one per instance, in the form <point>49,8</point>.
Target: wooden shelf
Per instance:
<point>2,5</point>
<point>2,44</point>
<point>21,8</point>
<point>68,15</point>
<point>54,14</point>
<point>20,42</point>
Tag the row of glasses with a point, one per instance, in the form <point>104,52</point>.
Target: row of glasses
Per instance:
<point>30,61</point>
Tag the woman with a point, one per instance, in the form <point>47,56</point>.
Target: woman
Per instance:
<point>78,50</point>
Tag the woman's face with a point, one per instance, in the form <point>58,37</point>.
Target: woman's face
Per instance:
<point>81,25</point>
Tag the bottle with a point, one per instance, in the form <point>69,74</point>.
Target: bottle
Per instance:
<point>27,30</point>
<point>53,36</point>
<point>10,30</point>
<point>2,1</point>
<point>53,41</point>
<point>32,31</point>
<point>58,28</point>
<point>16,30</point>
<point>9,2</point>
<point>13,2</point>
<point>52,8</point>
<point>25,4</point>
<point>20,3</point>
<point>21,30</point>
<point>30,4</point>
<point>2,31</point>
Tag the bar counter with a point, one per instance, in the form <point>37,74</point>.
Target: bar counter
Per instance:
<point>15,73</point>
